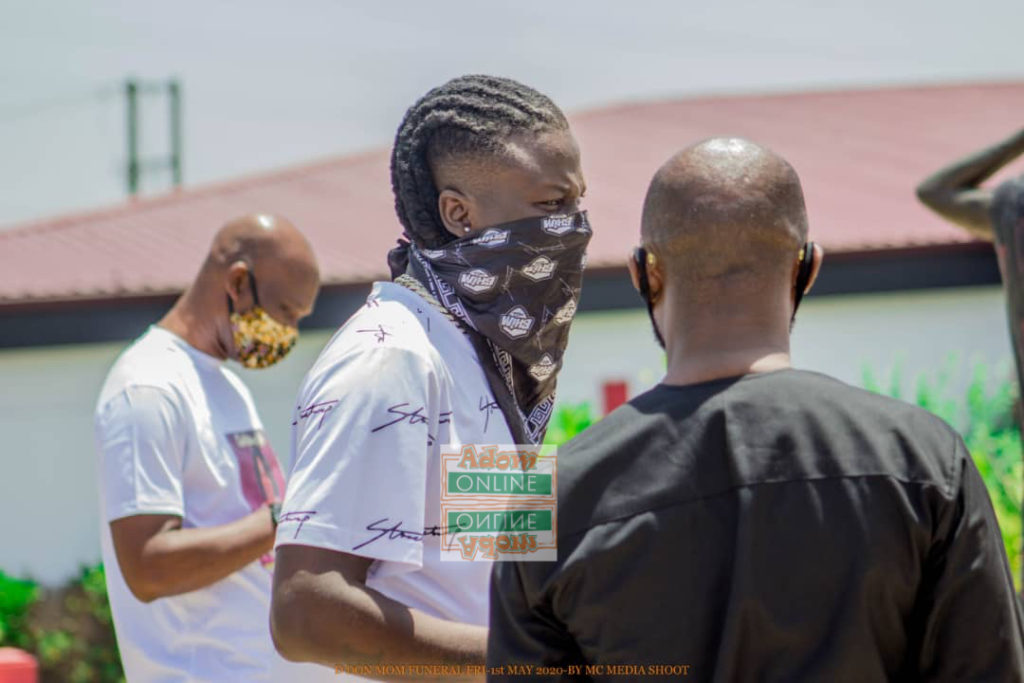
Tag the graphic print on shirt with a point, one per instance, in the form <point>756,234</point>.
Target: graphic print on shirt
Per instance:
<point>260,473</point>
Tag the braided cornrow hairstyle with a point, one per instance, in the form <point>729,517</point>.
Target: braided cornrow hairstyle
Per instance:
<point>469,115</point>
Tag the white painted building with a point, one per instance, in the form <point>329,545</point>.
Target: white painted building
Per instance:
<point>48,497</point>
<point>898,285</point>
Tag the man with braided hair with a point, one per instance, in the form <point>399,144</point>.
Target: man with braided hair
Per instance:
<point>463,347</point>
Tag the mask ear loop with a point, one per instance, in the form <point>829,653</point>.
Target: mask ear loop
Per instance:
<point>803,273</point>
<point>252,286</point>
<point>640,257</point>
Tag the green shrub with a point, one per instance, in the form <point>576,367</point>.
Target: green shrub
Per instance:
<point>16,599</point>
<point>985,417</point>
<point>567,422</point>
<point>69,629</point>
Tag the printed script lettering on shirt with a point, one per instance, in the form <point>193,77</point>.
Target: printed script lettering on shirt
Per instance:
<point>296,516</point>
<point>412,417</point>
<point>395,531</point>
<point>321,409</point>
<point>426,318</point>
<point>381,333</point>
<point>487,406</point>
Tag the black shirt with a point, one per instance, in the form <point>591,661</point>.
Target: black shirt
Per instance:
<point>774,527</point>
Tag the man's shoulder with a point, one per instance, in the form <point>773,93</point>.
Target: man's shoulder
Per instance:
<point>861,432</point>
<point>389,335</point>
<point>815,426</point>
<point>151,361</point>
<point>391,317</point>
<point>394,322</point>
<point>819,393</point>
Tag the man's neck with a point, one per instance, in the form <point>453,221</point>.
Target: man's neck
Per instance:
<point>727,340</point>
<point>693,368</point>
<point>186,320</point>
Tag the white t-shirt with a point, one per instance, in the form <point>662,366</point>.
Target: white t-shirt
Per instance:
<point>394,384</point>
<point>178,434</point>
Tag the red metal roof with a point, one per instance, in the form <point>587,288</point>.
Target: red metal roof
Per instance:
<point>859,154</point>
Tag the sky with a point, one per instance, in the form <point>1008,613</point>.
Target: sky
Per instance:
<point>272,84</point>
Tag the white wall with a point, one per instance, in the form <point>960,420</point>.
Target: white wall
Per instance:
<point>48,506</point>
<point>838,335</point>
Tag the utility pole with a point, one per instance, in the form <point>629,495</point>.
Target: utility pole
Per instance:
<point>132,94</point>
<point>134,167</point>
<point>174,97</point>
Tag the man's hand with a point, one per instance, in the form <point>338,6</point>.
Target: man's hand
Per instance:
<point>158,557</point>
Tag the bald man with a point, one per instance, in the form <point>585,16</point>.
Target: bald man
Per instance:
<point>189,483</point>
<point>744,520</point>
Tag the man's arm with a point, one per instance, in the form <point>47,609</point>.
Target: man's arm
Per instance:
<point>525,633</point>
<point>322,611</point>
<point>970,624</point>
<point>141,439</point>
<point>158,558</point>
<point>954,191</point>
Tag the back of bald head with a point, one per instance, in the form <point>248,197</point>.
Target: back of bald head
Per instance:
<point>725,212</point>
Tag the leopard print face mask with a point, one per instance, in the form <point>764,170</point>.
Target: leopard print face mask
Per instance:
<point>260,340</point>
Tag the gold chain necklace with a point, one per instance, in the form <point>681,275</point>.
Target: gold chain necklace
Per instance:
<point>416,286</point>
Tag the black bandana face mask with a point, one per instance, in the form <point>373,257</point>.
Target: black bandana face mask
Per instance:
<point>517,286</point>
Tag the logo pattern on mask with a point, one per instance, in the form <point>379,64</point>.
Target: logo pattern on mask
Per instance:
<point>477,281</point>
<point>492,238</point>
<point>566,312</point>
<point>540,268</point>
<point>516,322</point>
<point>522,323</point>
<point>543,368</point>
<point>558,225</point>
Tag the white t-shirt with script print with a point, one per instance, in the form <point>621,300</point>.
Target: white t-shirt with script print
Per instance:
<point>178,434</point>
<point>394,384</point>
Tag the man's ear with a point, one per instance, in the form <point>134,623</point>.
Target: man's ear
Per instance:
<point>655,278</point>
<point>236,288</point>
<point>456,210</point>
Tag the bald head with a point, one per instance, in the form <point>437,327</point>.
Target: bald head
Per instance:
<point>279,258</point>
<point>257,237</point>
<point>725,209</point>
<point>256,260</point>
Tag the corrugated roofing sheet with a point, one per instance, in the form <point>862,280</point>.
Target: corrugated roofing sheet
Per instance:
<point>859,154</point>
